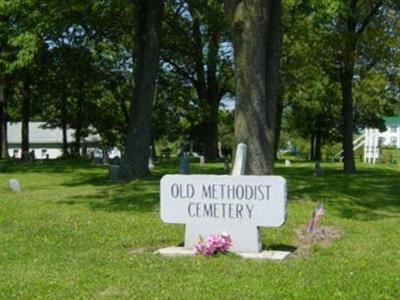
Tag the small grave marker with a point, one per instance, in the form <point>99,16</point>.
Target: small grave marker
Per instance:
<point>202,161</point>
<point>318,171</point>
<point>288,163</point>
<point>15,185</point>
<point>113,173</point>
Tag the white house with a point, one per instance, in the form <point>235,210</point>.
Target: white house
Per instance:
<point>391,137</point>
<point>46,142</point>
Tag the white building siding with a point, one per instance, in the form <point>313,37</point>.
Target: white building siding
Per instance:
<point>44,142</point>
<point>391,137</point>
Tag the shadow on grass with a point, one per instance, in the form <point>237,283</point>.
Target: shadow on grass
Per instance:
<point>46,166</point>
<point>369,195</point>
<point>279,247</point>
<point>140,196</point>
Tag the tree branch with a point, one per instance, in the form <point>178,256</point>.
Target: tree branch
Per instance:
<point>181,71</point>
<point>369,17</point>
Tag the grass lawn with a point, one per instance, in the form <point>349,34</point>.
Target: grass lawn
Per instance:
<point>72,235</point>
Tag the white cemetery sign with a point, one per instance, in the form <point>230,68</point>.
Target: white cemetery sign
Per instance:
<point>211,204</point>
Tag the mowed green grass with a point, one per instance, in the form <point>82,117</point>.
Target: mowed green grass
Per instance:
<point>70,234</point>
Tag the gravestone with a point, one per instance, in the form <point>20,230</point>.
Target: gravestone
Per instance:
<point>211,204</point>
<point>151,163</point>
<point>318,171</point>
<point>14,185</point>
<point>151,159</point>
<point>113,173</point>
<point>184,163</point>
<point>288,163</point>
<point>202,161</point>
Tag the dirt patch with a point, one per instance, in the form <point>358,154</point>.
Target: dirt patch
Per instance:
<point>323,236</point>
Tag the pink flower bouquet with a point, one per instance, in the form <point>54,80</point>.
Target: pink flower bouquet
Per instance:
<point>215,243</point>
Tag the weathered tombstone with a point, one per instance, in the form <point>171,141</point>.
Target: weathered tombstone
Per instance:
<point>211,204</point>
<point>151,159</point>
<point>318,171</point>
<point>202,161</point>
<point>184,163</point>
<point>31,155</point>
<point>288,163</point>
<point>113,173</point>
<point>227,165</point>
<point>14,185</point>
<point>151,163</point>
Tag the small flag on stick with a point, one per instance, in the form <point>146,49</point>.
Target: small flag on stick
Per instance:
<point>317,213</point>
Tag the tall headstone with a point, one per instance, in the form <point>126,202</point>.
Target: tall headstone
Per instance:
<point>202,161</point>
<point>14,185</point>
<point>151,159</point>
<point>184,163</point>
<point>240,160</point>
<point>113,173</point>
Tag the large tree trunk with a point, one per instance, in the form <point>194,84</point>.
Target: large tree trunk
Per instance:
<point>25,113</point>
<point>312,147</point>
<point>213,99</point>
<point>256,32</point>
<point>3,122</point>
<point>349,165</point>
<point>135,160</point>
<point>278,127</point>
<point>64,121</point>
<point>346,76</point>
<point>318,146</point>
<point>207,85</point>
<point>79,119</point>
<point>210,127</point>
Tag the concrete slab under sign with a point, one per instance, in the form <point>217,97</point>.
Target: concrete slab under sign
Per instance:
<point>263,255</point>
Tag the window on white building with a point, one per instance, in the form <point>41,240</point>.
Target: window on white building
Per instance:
<point>393,141</point>
<point>393,128</point>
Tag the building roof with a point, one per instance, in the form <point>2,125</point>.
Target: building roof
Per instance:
<point>392,121</point>
<point>39,134</point>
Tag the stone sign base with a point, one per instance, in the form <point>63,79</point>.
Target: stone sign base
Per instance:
<point>267,254</point>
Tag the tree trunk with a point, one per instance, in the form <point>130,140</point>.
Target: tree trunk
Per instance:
<point>211,134</point>
<point>3,122</point>
<point>278,127</point>
<point>25,113</point>
<point>79,119</point>
<point>213,99</point>
<point>256,32</point>
<point>346,76</point>
<point>312,148</point>
<point>135,160</point>
<point>64,121</point>
<point>349,166</point>
<point>318,145</point>
<point>153,148</point>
